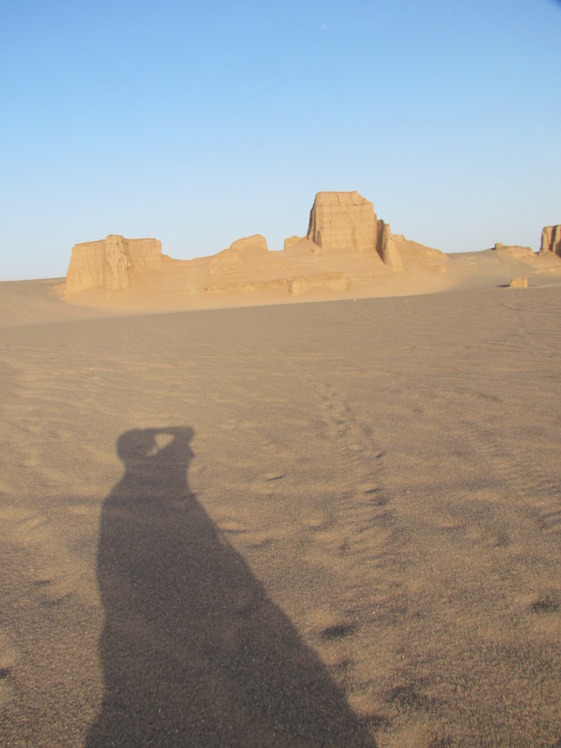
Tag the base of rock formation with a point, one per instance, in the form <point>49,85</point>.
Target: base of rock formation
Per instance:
<point>294,286</point>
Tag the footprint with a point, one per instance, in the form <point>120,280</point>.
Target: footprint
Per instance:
<point>7,657</point>
<point>338,631</point>
<point>377,495</point>
<point>547,602</point>
<point>407,696</point>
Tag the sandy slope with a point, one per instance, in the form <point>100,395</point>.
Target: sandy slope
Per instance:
<point>334,523</point>
<point>38,302</point>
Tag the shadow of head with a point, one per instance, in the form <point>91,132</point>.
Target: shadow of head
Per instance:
<point>140,444</point>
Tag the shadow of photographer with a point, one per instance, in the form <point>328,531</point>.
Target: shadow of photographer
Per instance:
<point>193,651</point>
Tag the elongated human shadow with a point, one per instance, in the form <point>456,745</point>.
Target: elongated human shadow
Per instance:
<point>194,653</point>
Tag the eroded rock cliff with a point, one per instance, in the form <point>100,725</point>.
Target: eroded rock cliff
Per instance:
<point>111,263</point>
<point>387,248</point>
<point>346,221</point>
<point>343,221</point>
<point>551,239</point>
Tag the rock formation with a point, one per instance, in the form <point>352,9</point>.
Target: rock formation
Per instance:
<point>346,246</point>
<point>331,281</point>
<point>232,259</point>
<point>514,250</point>
<point>334,281</point>
<point>343,221</point>
<point>254,242</point>
<point>551,239</point>
<point>346,221</point>
<point>520,282</point>
<point>387,248</point>
<point>111,263</point>
<point>291,241</point>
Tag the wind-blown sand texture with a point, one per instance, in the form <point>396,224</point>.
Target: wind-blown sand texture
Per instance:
<point>303,525</point>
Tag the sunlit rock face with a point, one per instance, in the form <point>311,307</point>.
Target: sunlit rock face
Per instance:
<point>551,239</point>
<point>346,221</point>
<point>111,263</point>
<point>343,221</point>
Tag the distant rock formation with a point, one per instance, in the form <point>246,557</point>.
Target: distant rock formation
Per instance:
<point>232,259</point>
<point>551,239</point>
<point>111,263</point>
<point>387,248</point>
<point>345,246</point>
<point>343,221</point>
<point>291,241</point>
<point>514,250</point>
<point>346,221</point>
<point>520,282</point>
<point>256,241</point>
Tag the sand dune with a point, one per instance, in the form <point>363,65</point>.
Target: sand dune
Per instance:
<point>334,523</point>
<point>38,302</point>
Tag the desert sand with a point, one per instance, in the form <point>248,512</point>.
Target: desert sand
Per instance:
<point>298,524</point>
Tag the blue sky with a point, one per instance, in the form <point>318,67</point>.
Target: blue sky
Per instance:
<point>198,123</point>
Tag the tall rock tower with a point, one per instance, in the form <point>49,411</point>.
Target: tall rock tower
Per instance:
<point>343,221</point>
<point>346,221</point>
<point>551,240</point>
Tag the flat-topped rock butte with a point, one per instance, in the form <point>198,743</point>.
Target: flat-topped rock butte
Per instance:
<point>111,263</point>
<point>347,252</point>
<point>347,221</point>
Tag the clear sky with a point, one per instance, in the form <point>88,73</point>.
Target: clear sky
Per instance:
<point>201,122</point>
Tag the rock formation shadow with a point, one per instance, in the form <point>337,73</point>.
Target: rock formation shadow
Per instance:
<point>194,653</point>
